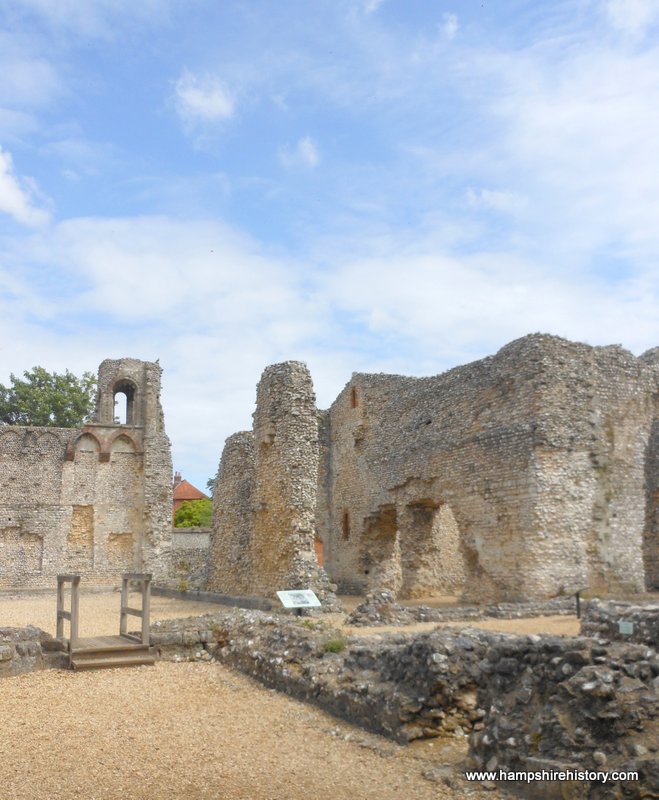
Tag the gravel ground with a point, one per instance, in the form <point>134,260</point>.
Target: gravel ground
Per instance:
<point>99,612</point>
<point>198,731</point>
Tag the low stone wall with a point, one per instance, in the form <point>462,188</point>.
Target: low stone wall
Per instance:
<point>568,703</point>
<point>526,702</point>
<point>190,558</point>
<point>404,686</point>
<point>618,621</point>
<point>380,608</point>
<point>29,649</point>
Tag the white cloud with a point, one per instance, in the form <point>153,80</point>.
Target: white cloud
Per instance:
<point>202,99</point>
<point>632,17</point>
<point>571,127</point>
<point>200,296</point>
<point>304,153</point>
<point>504,202</point>
<point>16,195</point>
<point>449,26</point>
<point>372,5</point>
<point>462,302</point>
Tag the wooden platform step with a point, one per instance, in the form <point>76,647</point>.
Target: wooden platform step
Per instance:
<point>107,652</point>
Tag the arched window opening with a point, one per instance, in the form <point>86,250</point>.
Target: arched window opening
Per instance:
<point>124,403</point>
<point>120,408</point>
<point>353,398</point>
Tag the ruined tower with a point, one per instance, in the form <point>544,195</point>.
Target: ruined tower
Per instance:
<point>266,493</point>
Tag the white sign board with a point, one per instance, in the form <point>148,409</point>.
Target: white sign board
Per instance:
<point>298,598</point>
<point>625,627</point>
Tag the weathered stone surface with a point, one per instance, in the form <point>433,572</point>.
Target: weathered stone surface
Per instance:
<point>603,619</point>
<point>380,608</point>
<point>190,559</point>
<point>264,527</point>
<point>572,701</point>
<point>526,475</point>
<point>94,500</point>
<point>28,649</point>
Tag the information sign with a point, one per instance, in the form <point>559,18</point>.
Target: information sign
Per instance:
<point>298,598</point>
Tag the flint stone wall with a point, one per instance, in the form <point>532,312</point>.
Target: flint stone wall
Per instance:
<point>405,686</point>
<point>542,459</point>
<point>29,649</point>
<point>602,619</point>
<point>523,476</point>
<point>190,558</point>
<point>94,500</point>
<point>380,608</point>
<point>565,703</point>
<point>264,527</point>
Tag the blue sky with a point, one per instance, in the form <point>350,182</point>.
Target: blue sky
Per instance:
<point>365,185</point>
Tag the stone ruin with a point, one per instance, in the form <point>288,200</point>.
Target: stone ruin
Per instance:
<point>521,477</point>
<point>94,500</point>
<point>525,475</point>
<point>265,495</point>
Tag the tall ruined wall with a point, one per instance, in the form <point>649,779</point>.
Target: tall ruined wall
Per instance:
<point>140,381</point>
<point>590,461</point>
<point>510,478</point>
<point>231,567</point>
<point>651,544</point>
<point>91,500</point>
<point>265,497</point>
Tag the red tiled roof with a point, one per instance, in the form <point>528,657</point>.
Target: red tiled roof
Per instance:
<point>186,491</point>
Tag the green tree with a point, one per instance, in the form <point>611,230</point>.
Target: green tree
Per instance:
<point>48,399</point>
<point>194,514</point>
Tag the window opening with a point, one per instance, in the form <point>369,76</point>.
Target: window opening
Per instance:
<point>124,403</point>
<point>345,525</point>
<point>120,408</point>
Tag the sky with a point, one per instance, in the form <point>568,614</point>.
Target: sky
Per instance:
<point>364,185</point>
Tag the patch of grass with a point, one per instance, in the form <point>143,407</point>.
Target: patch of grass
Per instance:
<point>183,585</point>
<point>335,645</point>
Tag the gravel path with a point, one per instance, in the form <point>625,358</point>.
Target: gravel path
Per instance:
<point>195,731</point>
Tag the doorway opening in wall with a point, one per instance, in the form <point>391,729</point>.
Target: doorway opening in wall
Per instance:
<point>431,553</point>
<point>380,551</point>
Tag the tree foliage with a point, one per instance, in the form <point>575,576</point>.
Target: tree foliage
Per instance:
<point>194,514</point>
<point>48,399</point>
